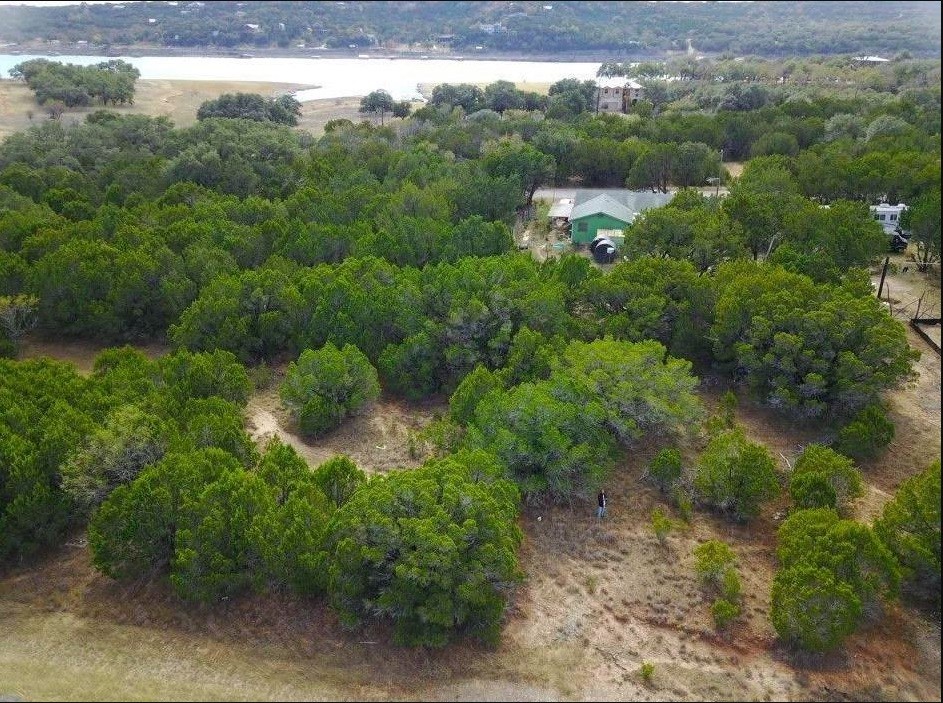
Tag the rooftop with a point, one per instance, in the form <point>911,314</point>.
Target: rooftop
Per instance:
<point>624,205</point>
<point>618,82</point>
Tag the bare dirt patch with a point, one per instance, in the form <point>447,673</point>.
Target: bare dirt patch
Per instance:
<point>734,168</point>
<point>79,353</point>
<point>377,439</point>
<point>914,409</point>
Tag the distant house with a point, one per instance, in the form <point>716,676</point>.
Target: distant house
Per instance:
<point>598,212</point>
<point>490,28</point>
<point>870,60</point>
<point>617,94</point>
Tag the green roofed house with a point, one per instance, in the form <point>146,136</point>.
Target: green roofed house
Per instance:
<point>598,212</point>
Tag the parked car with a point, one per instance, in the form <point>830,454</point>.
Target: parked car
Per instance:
<point>900,240</point>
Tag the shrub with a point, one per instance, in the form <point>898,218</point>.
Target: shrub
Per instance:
<point>647,671</point>
<point>282,468</point>
<point>214,422</point>
<point>326,385</point>
<point>252,106</point>
<point>813,609</point>
<point>432,551</point>
<point>725,418</point>
<point>319,415</point>
<point>683,502</point>
<point>809,350</point>
<point>712,560</point>
<point>715,564</point>
<point>812,490</point>
<point>641,387</point>
<point>205,374</point>
<point>290,535</point>
<point>665,468</point>
<point>735,475</point>
<point>832,573</point>
<point>910,528</point>
<point>553,444</point>
<point>724,612</point>
<point>219,545</point>
<point>556,436</point>
<point>115,453</point>
<point>730,585</point>
<point>469,393</point>
<point>867,433</point>
<point>132,533</point>
<point>661,525</point>
<point>823,478</point>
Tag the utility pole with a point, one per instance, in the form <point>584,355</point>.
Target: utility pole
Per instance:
<point>887,260</point>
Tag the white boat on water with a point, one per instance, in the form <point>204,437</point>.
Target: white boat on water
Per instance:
<point>363,56</point>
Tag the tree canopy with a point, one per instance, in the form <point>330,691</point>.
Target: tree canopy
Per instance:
<point>432,551</point>
<point>251,106</point>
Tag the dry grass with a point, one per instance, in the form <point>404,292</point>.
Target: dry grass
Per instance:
<point>178,100</point>
<point>377,439</point>
<point>79,353</point>
<point>315,114</point>
<point>734,168</point>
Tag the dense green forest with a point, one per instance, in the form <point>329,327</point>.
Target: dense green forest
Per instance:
<point>379,259</point>
<point>621,28</point>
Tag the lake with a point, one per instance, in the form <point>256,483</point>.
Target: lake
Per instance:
<point>336,78</point>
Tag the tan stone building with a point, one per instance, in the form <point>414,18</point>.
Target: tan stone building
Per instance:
<point>617,94</point>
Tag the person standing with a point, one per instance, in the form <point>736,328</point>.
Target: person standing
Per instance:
<point>601,499</point>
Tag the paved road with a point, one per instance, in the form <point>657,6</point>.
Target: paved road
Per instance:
<point>554,194</point>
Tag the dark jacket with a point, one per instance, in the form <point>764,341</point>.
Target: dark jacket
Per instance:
<point>602,500</point>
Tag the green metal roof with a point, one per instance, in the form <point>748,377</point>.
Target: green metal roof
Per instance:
<point>603,204</point>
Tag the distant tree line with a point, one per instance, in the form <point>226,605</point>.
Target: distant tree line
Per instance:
<point>637,30</point>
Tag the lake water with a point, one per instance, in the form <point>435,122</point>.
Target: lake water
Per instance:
<point>336,77</point>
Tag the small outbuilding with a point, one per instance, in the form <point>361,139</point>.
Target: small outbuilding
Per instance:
<point>560,212</point>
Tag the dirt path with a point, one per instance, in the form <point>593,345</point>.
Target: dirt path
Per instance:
<point>378,439</point>
<point>914,409</point>
<point>80,354</point>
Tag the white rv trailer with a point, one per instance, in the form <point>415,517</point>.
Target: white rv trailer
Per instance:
<point>888,215</point>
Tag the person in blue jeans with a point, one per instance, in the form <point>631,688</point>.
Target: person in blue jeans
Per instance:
<point>601,510</point>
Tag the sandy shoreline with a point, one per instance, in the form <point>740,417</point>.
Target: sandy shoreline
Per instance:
<point>469,54</point>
